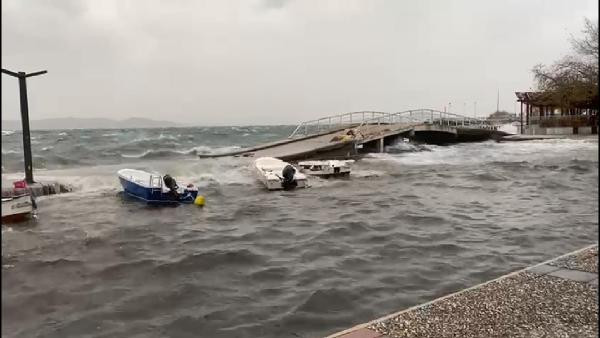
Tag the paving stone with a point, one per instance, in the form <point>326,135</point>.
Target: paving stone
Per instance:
<point>586,260</point>
<point>363,333</point>
<point>516,306</point>
<point>543,269</point>
<point>574,275</point>
<point>556,299</point>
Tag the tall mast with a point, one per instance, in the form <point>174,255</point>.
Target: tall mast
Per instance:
<point>498,101</point>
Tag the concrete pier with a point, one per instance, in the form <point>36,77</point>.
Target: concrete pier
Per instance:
<point>38,189</point>
<point>362,132</point>
<point>520,137</point>
<point>48,188</point>
<point>556,298</point>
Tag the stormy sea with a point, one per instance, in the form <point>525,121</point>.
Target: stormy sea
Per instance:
<point>409,225</point>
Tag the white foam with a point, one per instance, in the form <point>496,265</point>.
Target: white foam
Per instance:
<point>104,179</point>
<point>509,128</point>
<point>166,137</point>
<point>365,173</point>
<point>482,152</point>
<point>137,155</point>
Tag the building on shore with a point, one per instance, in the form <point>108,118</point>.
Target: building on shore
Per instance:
<point>542,115</point>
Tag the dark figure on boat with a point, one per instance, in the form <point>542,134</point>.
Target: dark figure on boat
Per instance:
<point>288,181</point>
<point>172,185</point>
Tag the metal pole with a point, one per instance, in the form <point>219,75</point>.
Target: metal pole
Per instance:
<point>25,128</point>
<point>498,101</point>
<point>25,120</point>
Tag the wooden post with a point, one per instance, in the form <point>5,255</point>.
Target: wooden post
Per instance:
<point>521,117</point>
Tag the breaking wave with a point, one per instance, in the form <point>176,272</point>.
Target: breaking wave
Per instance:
<point>54,149</point>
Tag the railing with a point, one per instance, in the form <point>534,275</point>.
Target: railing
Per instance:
<point>429,116</point>
<point>360,120</point>
<point>334,122</point>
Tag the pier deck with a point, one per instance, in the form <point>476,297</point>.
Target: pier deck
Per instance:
<point>557,298</point>
<point>327,142</point>
<point>374,130</point>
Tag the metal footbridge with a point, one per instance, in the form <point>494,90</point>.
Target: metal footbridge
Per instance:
<point>348,134</point>
<point>366,118</point>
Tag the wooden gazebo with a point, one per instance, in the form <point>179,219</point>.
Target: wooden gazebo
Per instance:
<point>542,109</point>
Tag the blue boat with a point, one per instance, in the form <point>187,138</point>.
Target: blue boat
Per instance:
<point>154,188</point>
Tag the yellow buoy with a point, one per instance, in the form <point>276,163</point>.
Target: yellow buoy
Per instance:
<point>199,201</point>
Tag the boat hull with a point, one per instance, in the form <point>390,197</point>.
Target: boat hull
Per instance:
<point>326,169</point>
<point>269,172</point>
<point>17,209</point>
<point>156,195</point>
<point>276,184</point>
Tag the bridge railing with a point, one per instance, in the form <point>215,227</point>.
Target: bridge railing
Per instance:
<point>410,117</point>
<point>429,116</point>
<point>334,122</point>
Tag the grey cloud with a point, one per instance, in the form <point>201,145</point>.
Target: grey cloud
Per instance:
<point>226,62</point>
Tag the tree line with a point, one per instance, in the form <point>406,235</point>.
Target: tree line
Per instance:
<point>572,81</point>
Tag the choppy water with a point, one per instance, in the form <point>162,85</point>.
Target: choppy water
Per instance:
<point>54,149</point>
<point>407,227</point>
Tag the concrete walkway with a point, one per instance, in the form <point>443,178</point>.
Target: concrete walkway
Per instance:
<point>521,137</point>
<point>557,298</point>
<point>329,141</point>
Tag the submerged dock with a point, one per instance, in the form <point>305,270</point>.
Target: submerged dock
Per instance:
<point>556,298</point>
<point>38,189</point>
<point>350,135</point>
<point>48,188</point>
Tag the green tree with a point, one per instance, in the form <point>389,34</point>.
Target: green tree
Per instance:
<point>573,80</point>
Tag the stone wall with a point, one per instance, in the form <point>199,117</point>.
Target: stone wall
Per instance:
<point>537,130</point>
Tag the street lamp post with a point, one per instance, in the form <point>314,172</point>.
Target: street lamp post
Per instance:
<point>25,119</point>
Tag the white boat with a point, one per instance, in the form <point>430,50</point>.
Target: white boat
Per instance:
<point>17,205</point>
<point>276,174</point>
<point>330,168</point>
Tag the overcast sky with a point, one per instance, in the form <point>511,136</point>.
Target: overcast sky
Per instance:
<point>277,61</point>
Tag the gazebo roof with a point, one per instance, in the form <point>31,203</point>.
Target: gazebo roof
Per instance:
<point>536,98</point>
<point>547,99</point>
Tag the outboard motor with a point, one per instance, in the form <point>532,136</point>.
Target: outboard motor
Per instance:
<point>288,181</point>
<point>171,184</point>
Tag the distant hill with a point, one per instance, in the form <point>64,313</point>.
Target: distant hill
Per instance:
<point>88,123</point>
